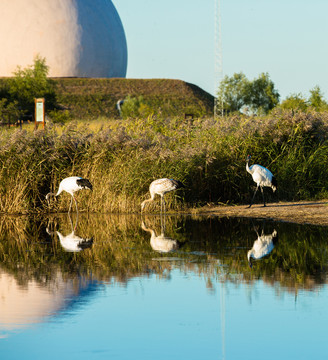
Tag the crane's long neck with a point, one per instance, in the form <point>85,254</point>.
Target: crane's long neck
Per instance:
<point>145,202</point>
<point>50,194</point>
<point>53,194</point>
<point>249,257</point>
<point>152,197</point>
<point>151,231</point>
<point>247,167</point>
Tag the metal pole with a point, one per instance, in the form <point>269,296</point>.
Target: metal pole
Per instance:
<point>218,69</point>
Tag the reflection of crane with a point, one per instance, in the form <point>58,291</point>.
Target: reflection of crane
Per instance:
<point>72,242</point>
<point>160,243</point>
<point>262,246</point>
<point>161,187</point>
<point>262,177</point>
<point>71,185</point>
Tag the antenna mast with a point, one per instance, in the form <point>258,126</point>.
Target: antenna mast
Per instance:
<point>218,71</point>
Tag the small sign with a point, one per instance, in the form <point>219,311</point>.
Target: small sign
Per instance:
<point>39,112</point>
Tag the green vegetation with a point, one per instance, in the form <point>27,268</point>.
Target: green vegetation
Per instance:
<point>84,98</point>
<point>123,157</point>
<point>94,98</point>
<point>300,103</point>
<point>259,96</point>
<point>18,93</point>
<point>30,83</point>
<point>237,93</point>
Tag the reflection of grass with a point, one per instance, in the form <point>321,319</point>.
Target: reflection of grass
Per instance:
<point>214,248</point>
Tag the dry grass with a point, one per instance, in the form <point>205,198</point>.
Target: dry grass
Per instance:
<point>121,158</point>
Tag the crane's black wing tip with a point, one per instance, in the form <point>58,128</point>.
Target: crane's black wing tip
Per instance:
<point>84,183</point>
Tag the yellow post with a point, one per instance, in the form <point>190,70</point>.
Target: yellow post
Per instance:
<point>39,112</point>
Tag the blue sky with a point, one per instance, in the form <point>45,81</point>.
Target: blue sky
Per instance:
<point>175,39</point>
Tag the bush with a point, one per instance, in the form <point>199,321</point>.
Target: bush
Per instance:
<point>134,107</point>
<point>31,83</point>
<point>60,116</point>
<point>9,112</point>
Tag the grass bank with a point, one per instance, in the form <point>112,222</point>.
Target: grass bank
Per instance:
<point>123,157</point>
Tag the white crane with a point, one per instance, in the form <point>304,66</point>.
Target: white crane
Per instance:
<point>262,177</point>
<point>161,187</point>
<point>262,246</point>
<point>71,185</point>
<point>160,243</point>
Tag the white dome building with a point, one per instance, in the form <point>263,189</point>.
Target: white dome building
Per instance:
<point>82,38</point>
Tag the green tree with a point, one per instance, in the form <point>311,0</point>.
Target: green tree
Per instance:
<point>30,83</point>
<point>237,93</point>
<point>9,112</point>
<point>316,99</point>
<point>261,95</point>
<point>231,93</point>
<point>295,102</point>
<point>298,102</point>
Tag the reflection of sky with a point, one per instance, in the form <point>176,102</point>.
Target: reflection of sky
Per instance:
<point>179,318</point>
<point>22,306</point>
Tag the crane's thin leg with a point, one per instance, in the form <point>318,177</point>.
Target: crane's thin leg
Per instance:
<point>163,224</point>
<point>70,205</point>
<point>164,204</point>
<point>77,218</point>
<point>263,196</point>
<point>253,197</point>
<point>77,210</point>
<point>255,229</point>
<point>71,222</point>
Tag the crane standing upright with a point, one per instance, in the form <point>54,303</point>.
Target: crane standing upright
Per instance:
<point>262,177</point>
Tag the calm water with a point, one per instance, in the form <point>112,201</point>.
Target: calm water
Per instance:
<point>125,287</point>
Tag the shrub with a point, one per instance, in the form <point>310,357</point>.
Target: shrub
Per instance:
<point>59,116</point>
<point>134,107</point>
<point>30,83</point>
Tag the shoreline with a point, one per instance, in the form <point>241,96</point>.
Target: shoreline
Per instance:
<point>300,212</point>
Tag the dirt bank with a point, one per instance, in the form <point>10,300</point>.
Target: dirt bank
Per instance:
<point>302,212</point>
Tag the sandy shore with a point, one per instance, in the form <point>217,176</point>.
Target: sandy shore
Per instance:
<point>302,212</point>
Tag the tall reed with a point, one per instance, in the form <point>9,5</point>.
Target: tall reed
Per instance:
<point>122,158</point>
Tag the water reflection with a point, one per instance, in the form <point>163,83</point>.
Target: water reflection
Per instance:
<point>41,282</point>
<point>120,251</point>
<point>71,242</point>
<point>262,246</point>
<point>160,243</point>
<point>27,302</point>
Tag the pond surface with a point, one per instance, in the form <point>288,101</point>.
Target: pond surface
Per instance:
<point>179,287</point>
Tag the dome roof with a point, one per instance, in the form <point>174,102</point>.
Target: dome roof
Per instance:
<point>83,38</point>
